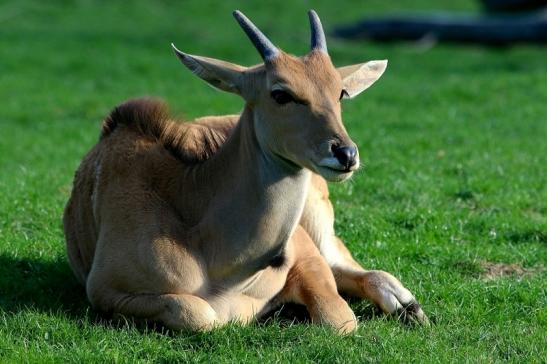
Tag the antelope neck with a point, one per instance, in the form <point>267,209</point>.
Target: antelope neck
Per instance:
<point>255,201</point>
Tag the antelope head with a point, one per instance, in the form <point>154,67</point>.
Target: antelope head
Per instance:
<point>295,101</point>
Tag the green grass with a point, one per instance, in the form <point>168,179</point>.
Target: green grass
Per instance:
<point>453,139</point>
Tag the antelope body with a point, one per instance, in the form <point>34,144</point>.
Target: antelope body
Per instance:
<point>198,224</point>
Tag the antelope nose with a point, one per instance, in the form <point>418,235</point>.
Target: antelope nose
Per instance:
<point>346,156</point>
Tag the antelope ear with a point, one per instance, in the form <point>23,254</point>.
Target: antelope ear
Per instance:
<point>358,77</point>
<point>222,75</point>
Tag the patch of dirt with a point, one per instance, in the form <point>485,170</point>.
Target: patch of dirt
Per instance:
<point>492,270</point>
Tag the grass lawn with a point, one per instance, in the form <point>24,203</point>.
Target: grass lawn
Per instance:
<point>453,139</point>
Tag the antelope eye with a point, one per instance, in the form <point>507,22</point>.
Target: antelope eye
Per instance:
<point>343,94</point>
<point>281,97</point>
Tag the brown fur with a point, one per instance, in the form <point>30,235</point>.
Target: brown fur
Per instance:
<point>199,223</point>
<point>149,117</point>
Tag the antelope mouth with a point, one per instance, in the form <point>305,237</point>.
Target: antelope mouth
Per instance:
<point>332,170</point>
<point>333,174</point>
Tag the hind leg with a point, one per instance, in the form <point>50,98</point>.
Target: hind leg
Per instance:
<point>125,293</point>
<point>175,311</point>
<point>180,311</point>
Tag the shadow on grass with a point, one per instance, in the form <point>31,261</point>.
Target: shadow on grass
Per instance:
<point>291,313</point>
<point>286,315</point>
<point>49,286</point>
<point>43,285</point>
<point>527,236</point>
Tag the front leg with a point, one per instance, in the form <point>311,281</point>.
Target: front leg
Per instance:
<point>310,282</point>
<point>380,287</point>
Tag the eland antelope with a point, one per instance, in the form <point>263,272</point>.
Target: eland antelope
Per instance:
<point>197,224</point>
